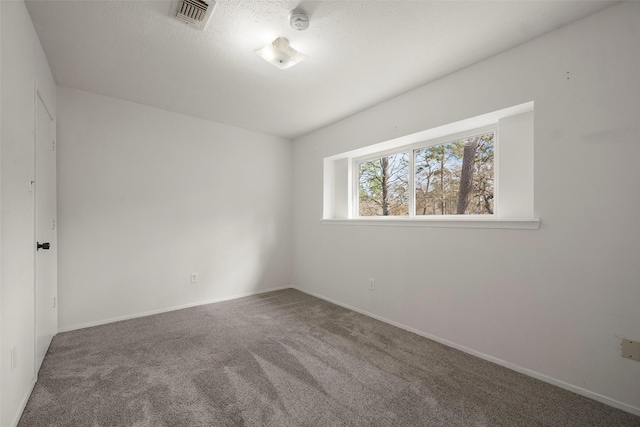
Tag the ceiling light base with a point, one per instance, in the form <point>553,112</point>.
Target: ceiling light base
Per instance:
<point>280,54</point>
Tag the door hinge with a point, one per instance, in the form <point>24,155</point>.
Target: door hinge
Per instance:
<point>53,224</point>
<point>32,181</point>
<point>53,145</point>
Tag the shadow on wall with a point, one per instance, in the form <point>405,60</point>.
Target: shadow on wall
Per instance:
<point>242,254</point>
<point>150,269</point>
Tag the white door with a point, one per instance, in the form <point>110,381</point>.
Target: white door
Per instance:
<point>45,284</point>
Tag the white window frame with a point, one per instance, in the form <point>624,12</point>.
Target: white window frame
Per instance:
<point>513,128</point>
<point>410,149</point>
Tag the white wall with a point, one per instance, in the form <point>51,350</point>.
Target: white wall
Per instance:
<point>24,70</point>
<point>147,196</point>
<point>553,302</point>
<point>2,349</point>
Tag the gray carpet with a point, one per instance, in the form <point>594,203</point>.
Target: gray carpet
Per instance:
<point>285,359</point>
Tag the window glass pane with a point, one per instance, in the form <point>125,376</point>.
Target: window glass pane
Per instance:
<point>383,186</point>
<point>455,178</point>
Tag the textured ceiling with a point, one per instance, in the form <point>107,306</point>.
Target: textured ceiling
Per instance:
<point>359,52</point>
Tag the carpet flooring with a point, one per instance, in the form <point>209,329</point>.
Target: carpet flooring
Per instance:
<point>285,359</point>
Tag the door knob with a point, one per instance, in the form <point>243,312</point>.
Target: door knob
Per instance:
<point>42,246</point>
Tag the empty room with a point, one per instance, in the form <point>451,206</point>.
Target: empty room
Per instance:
<point>323,213</point>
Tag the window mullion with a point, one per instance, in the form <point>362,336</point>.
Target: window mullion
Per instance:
<point>412,191</point>
<point>355,186</point>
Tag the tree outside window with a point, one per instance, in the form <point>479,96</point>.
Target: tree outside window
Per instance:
<point>454,178</point>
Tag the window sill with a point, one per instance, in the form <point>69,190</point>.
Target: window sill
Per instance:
<point>449,222</point>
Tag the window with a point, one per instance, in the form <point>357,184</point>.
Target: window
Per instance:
<point>383,185</point>
<point>473,173</point>
<point>455,177</point>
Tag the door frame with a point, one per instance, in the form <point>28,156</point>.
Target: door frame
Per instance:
<point>52,137</point>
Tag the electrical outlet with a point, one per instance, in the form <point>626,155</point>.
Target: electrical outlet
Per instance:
<point>193,277</point>
<point>631,349</point>
<point>372,284</point>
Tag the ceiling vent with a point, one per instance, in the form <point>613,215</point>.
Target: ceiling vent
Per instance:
<point>195,13</point>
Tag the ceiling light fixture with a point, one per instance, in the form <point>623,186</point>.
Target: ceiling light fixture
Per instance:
<point>280,54</point>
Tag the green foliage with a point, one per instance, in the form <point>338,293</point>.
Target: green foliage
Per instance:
<point>438,171</point>
<point>383,186</point>
<point>384,183</point>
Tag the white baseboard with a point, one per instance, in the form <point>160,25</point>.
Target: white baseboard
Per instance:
<point>23,404</point>
<point>578,390</point>
<point>164,310</point>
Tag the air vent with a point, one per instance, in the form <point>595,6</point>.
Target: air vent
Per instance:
<point>196,13</point>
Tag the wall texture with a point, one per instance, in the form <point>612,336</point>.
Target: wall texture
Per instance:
<point>554,302</point>
<point>146,196</point>
<point>24,70</point>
